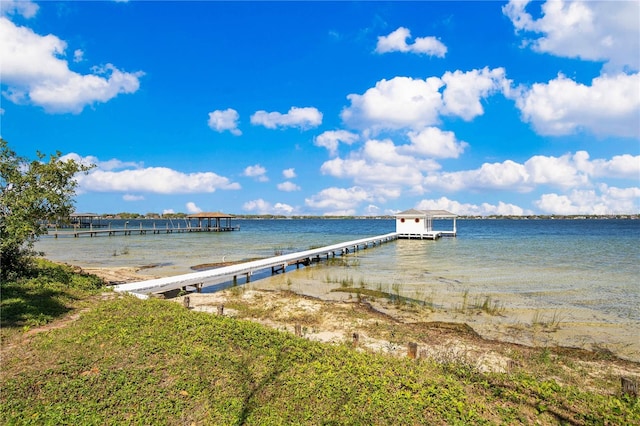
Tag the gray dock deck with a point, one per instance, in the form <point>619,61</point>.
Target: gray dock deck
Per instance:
<point>227,273</point>
<point>427,235</point>
<point>137,231</point>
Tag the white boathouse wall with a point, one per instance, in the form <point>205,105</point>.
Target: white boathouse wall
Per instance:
<point>415,223</point>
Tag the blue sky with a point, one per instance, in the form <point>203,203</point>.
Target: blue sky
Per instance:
<point>331,108</point>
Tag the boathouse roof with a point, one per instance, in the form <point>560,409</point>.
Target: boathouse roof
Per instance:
<point>430,213</point>
<point>212,215</point>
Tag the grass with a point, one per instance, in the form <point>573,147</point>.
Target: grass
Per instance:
<point>548,323</point>
<point>128,361</point>
<point>48,292</point>
<point>489,306</point>
<point>377,294</point>
<point>480,304</point>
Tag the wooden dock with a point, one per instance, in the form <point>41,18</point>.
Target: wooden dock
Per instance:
<point>277,264</point>
<point>426,235</point>
<point>76,233</point>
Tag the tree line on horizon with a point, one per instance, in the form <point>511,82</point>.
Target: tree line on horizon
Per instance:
<point>180,215</point>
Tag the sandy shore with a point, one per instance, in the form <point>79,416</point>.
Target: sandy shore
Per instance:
<point>120,275</point>
<point>371,327</point>
<point>533,328</point>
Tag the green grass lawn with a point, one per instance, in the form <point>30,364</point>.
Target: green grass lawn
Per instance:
<point>129,361</point>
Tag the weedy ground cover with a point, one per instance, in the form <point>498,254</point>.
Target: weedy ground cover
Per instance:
<point>129,361</point>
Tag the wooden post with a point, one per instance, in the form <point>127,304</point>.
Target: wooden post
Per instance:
<point>298,330</point>
<point>412,350</point>
<point>220,309</point>
<point>186,302</point>
<point>356,340</point>
<point>629,386</point>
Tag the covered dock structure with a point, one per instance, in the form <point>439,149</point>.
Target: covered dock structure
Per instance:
<point>212,221</point>
<point>84,220</point>
<point>414,223</point>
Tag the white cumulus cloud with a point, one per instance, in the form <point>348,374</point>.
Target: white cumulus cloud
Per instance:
<point>397,42</point>
<point>387,169</point>
<point>465,90</point>
<point>289,173</point>
<point>256,171</point>
<point>34,71</point>
<point>338,201</point>
<point>364,172</point>
<point>605,31</point>
<point>332,138</point>
<point>132,197</point>
<point>303,118</point>
<point>127,177</point>
<point>401,102</point>
<point>78,55</point>
<point>610,106</point>
<point>620,166</point>
<point>222,120</point>
<point>603,200</point>
<point>410,103</point>
<point>193,208</point>
<point>261,206</point>
<point>507,175</point>
<point>566,172</point>
<point>112,164</point>
<point>288,186</point>
<point>25,8</point>
<point>484,209</point>
<point>433,142</point>
<point>160,180</point>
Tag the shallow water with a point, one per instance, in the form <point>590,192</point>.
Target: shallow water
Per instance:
<point>584,271</point>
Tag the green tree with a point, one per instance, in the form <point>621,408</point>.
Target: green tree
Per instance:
<point>32,193</point>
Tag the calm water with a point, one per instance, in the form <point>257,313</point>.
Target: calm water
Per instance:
<point>586,265</point>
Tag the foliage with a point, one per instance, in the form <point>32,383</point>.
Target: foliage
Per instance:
<point>129,361</point>
<point>49,291</point>
<point>174,215</point>
<point>128,215</point>
<point>31,194</point>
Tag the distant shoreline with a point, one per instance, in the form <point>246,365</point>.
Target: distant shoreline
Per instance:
<point>153,216</point>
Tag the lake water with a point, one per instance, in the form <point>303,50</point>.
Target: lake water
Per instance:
<point>583,272</point>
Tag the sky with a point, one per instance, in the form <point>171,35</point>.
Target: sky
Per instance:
<point>330,108</point>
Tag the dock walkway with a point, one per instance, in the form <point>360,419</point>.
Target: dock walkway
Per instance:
<point>426,235</point>
<point>76,233</point>
<point>227,273</point>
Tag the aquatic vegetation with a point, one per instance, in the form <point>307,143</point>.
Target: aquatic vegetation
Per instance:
<point>550,324</point>
<point>489,306</point>
<point>124,251</point>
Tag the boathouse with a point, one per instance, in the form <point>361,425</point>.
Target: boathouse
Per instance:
<point>415,223</point>
<point>84,220</point>
<point>212,221</point>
